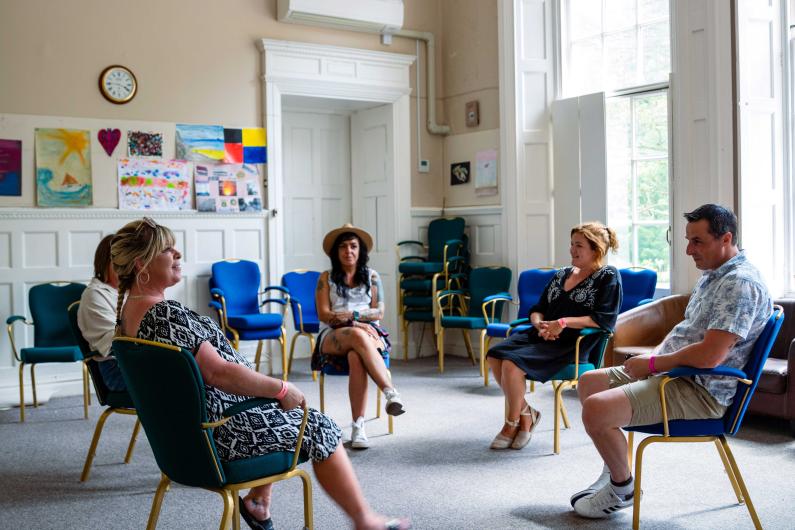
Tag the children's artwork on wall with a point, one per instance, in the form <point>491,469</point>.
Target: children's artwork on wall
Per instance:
<point>109,139</point>
<point>11,167</point>
<point>200,143</point>
<point>154,184</point>
<point>459,173</point>
<point>63,167</point>
<point>141,143</point>
<point>486,172</point>
<point>227,188</point>
<point>247,146</point>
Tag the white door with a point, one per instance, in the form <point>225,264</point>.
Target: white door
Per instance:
<point>372,177</point>
<point>317,185</point>
<point>317,191</point>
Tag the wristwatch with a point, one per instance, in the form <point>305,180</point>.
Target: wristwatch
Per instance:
<point>355,316</point>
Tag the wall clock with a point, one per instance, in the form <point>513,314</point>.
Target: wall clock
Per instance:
<point>118,84</point>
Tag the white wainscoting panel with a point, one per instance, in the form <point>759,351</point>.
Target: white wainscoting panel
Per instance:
<point>39,245</point>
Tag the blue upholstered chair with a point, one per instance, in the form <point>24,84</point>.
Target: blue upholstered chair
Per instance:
<point>234,286</point>
<point>330,370</point>
<point>569,376</point>
<point>638,286</point>
<point>472,308</point>
<point>711,430</point>
<point>114,401</point>
<point>53,341</point>
<point>171,406</point>
<point>301,285</point>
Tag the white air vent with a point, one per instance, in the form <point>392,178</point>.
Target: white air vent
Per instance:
<point>372,16</point>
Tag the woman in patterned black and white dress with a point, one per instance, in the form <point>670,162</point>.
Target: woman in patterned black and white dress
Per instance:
<point>585,295</point>
<point>146,263</point>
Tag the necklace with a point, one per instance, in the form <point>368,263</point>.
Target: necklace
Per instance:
<point>135,296</point>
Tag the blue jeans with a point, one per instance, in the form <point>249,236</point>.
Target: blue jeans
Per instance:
<point>111,375</point>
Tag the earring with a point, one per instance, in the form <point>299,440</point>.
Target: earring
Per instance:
<point>140,280</point>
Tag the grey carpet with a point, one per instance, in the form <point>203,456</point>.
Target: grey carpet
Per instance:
<point>437,468</point>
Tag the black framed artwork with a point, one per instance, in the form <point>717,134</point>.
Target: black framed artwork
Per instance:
<point>459,173</point>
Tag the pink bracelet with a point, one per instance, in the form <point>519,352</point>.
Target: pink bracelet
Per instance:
<point>651,365</point>
<point>562,323</point>
<point>283,391</point>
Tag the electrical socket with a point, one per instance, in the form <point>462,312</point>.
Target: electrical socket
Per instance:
<point>425,166</point>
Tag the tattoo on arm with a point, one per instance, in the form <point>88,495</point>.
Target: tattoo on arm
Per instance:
<point>372,313</point>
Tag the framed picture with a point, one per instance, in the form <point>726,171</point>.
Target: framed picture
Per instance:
<point>459,173</point>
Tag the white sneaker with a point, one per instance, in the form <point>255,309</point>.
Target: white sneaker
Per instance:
<point>394,405</point>
<point>603,479</point>
<point>358,436</point>
<point>602,503</point>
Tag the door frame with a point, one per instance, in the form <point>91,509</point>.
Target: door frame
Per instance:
<point>323,71</point>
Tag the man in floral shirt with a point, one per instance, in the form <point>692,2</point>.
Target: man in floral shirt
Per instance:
<point>726,313</point>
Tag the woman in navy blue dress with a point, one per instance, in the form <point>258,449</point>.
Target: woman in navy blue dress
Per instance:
<point>585,295</point>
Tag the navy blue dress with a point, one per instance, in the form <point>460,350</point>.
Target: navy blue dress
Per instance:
<point>597,296</point>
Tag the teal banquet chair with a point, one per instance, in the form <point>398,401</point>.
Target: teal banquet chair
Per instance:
<point>53,341</point>
<point>234,287</point>
<point>420,277</point>
<point>114,401</point>
<point>301,285</point>
<point>171,406</point>
<point>637,285</point>
<point>486,284</point>
<point>569,376</point>
<point>715,430</point>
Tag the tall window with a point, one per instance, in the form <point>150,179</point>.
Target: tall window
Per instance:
<point>622,48</point>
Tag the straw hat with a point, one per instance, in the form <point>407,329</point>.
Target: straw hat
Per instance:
<point>328,241</point>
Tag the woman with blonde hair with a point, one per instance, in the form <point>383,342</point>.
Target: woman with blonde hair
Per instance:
<point>585,295</point>
<point>147,263</point>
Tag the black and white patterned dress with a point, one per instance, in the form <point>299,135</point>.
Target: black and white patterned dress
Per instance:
<point>257,431</point>
<point>597,296</point>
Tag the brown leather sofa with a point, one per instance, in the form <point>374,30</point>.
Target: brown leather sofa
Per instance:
<point>642,328</point>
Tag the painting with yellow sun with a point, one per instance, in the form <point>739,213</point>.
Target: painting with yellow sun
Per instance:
<point>63,167</point>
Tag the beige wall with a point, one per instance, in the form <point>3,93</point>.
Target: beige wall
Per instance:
<point>470,60</point>
<point>196,62</point>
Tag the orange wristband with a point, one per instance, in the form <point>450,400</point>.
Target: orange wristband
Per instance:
<point>282,392</point>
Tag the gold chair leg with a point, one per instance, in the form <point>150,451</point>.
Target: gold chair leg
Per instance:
<point>729,472</point>
<point>285,366</point>
<point>230,517</point>
<point>440,342</point>
<point>630,447</point>
<point>86,394</point>
<point>390,419</point>
<point>377,402</point>
<point>468,342</point>
<point>308,522</point>
<point>422,337</point>
<point>133,439</point>
<point>21,393</point>
<point>559,413</point>
<point>157,502</point>
<point>33,385</point>
<point>292,351</point>
<point>638,468</point>
<point>92,449</point>
<point>257,357</point>
<point>740,482</point>
<point>311,350</point>
<point>235,509</point>
<point>484,370</point>
<point>532,386</point>
<point>322,394</point>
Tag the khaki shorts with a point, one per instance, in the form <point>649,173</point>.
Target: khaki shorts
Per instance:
<point>684,398</point>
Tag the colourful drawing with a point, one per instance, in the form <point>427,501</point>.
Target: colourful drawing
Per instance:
<point>247,146</point>
<point>154,184</point>
<point>200,143</point>
<point>144,143</point>
<point>63,167</point>
<point>11,167</point>
<point>227,188</point>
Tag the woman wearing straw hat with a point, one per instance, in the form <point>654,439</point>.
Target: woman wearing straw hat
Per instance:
<point>350,305</point>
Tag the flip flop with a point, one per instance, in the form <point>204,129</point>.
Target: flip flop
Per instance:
<point>251,521</point>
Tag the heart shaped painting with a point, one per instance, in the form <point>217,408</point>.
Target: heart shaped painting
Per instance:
<point>109,138</point>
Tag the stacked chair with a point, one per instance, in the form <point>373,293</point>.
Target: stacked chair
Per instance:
<point>476,306</point>
<point>234,287</point>
<point>53,341</point>
<point>118,402</point>
<point>301,285</point>
<point>420,277</point>
<point>171,405</point>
